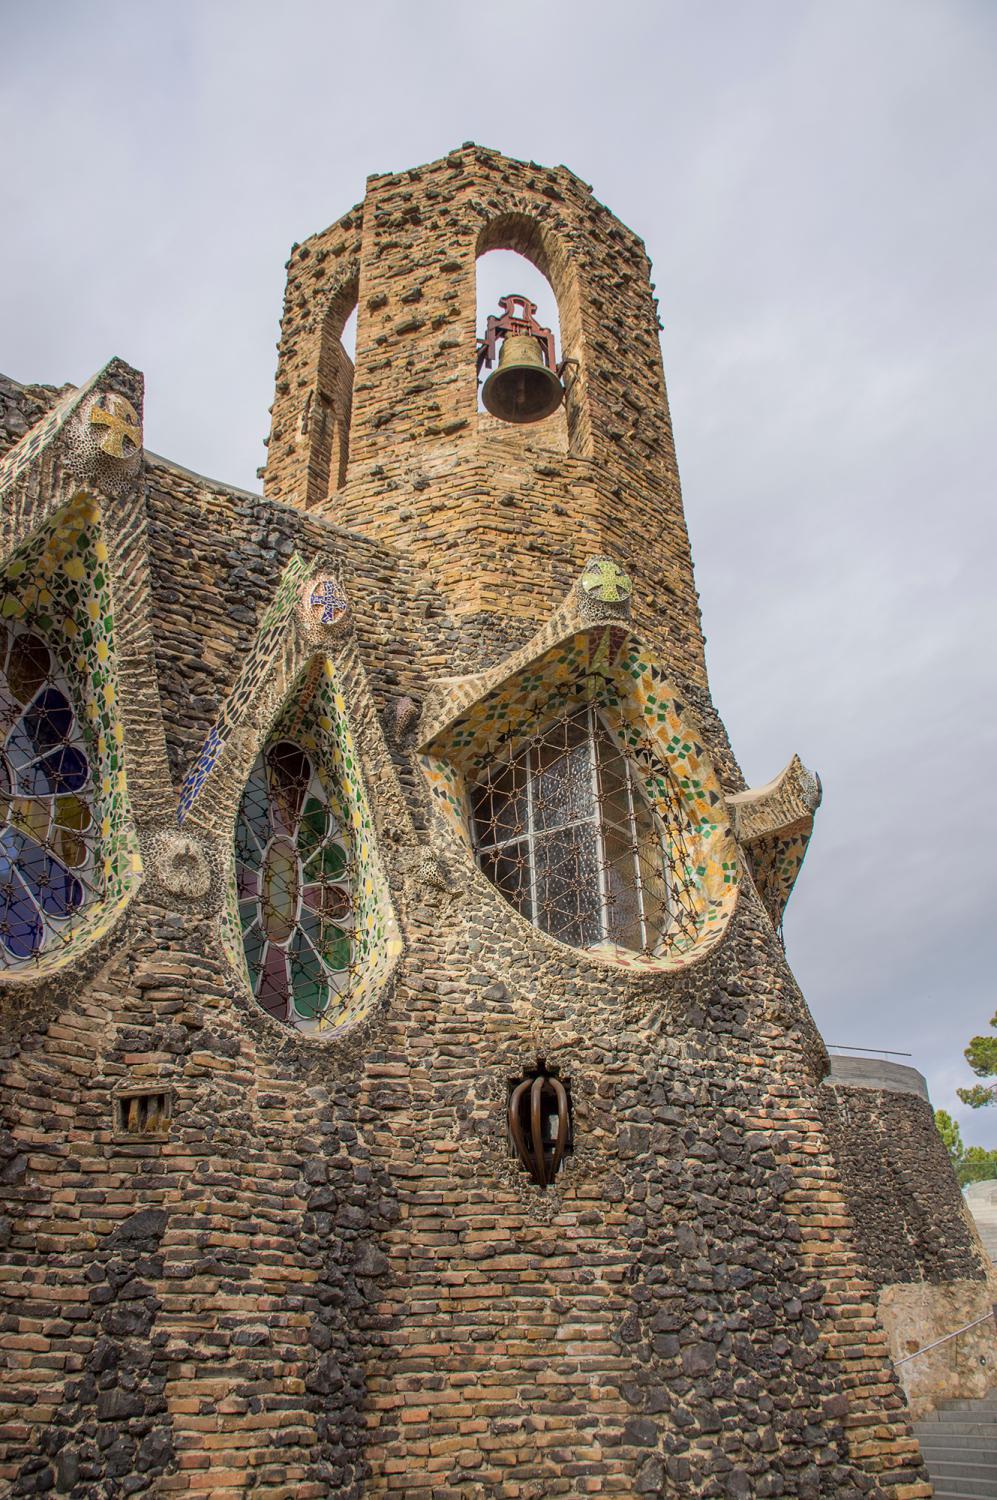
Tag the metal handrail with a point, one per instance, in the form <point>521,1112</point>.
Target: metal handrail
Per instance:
<point>954,1335</point>
<point>842,1047</point>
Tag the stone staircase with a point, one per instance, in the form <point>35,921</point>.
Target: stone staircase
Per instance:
<point>981,1200</point>
<point>959,1443</point>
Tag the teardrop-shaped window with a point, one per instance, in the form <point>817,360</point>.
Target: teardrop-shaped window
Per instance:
<point>296,875</point>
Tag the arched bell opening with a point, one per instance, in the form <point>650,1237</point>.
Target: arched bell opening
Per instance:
<point>511,291</point>
<point>528,330</point>
<point>327,410</point>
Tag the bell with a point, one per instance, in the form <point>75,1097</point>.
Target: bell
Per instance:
<point>522,388</point>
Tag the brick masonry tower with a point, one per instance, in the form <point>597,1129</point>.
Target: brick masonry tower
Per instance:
<point>405,1091</point>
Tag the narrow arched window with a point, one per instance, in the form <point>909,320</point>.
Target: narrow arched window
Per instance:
<point>295,874</point>
<point>326,413</point>
<point>48,865</point>
<point>563,827</point>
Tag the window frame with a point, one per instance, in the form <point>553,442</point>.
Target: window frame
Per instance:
<point>597,730</point>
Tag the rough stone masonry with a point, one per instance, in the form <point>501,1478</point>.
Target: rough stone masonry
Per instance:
<point>265,1232</point>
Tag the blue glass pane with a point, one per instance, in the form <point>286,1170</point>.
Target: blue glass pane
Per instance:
<point>10,849</point>
<point>254,814</point>
<point>20,923</point>
<point>64,770</point>
<point>48,721</point>
<point>55,890</point>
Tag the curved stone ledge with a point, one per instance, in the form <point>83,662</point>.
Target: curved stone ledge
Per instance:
<point>877,1073</point>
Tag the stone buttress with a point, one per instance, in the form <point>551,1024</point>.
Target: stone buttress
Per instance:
<point>278,961</point>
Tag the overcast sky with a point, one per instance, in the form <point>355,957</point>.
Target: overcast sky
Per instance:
<point>815,184</point>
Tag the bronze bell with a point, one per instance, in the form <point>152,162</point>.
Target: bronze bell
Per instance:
<point>523,388</point>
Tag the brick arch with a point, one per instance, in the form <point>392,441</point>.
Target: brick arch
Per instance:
<point>529,232</point>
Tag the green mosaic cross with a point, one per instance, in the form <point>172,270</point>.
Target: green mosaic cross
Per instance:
<point>606,580</point>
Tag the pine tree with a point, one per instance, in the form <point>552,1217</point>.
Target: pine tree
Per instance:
<point>981,1054</point>
<point>970,1163</point>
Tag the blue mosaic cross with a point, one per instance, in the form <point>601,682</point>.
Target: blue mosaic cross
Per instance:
<point>328,597</point>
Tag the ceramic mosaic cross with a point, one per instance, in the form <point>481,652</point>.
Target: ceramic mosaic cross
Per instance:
<point>328,601</point>
<point>122,422</point>
<point>605,580</point>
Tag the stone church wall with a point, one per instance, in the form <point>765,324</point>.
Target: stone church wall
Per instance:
<point>323,1272</point>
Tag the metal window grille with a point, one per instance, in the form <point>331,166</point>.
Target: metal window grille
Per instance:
<point>49,865</point>
<point>295,877</point>
<point>563,827</point>
<point>142,1113</point>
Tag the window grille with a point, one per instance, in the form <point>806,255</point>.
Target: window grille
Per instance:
<point>295,879</point>
<point>565,830</point>
<point>48,835</point>
<point>142,1112</point>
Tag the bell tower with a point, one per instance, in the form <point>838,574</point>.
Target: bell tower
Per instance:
<point>502,515</point>
<point>404,1093</point>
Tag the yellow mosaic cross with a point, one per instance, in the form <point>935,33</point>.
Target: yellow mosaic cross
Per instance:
<point>121,420</point>
<point>606,580</point>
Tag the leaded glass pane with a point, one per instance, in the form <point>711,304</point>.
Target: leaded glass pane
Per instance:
<point>564,828</point>
<point>294,881</point>
<point>48,865</point>
<point>566,871</point>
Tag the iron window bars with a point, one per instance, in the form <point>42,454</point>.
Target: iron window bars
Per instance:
<point>564,829</point>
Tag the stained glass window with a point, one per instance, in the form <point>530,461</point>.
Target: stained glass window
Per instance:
<point>48,869</point>
<point>295,878</point>
<point>564,829</point>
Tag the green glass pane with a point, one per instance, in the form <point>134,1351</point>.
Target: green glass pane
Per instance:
<point>337,949</point>
<point>254,943</point>
<point>310,924</point>
<point>309,986</point>
<point>333,861</point>
<point>314,827</point>
<point>247,846</point>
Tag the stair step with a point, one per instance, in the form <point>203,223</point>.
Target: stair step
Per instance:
<point>975,1450</point>
<point>955,1468</point>
<point>951,1434</point>
<point>982,1403</point>
<point>947,1420</point>
<point>946,1482</point>
<point>969,1489</point>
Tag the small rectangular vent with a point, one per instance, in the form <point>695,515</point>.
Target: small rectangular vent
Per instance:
<point>143,1113</point>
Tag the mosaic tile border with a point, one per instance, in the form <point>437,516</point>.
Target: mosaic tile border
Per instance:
<point>608,665</point>
<point>266,647</point>
<point>61,581</point>
<point>774,824</point>
<point>315,716</point>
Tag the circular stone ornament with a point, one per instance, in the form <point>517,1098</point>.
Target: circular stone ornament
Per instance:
<point>120,430</point>
<point>324,604</point>
<point>105,441</point>
<point>605,580</point>
<point>180,864</point>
